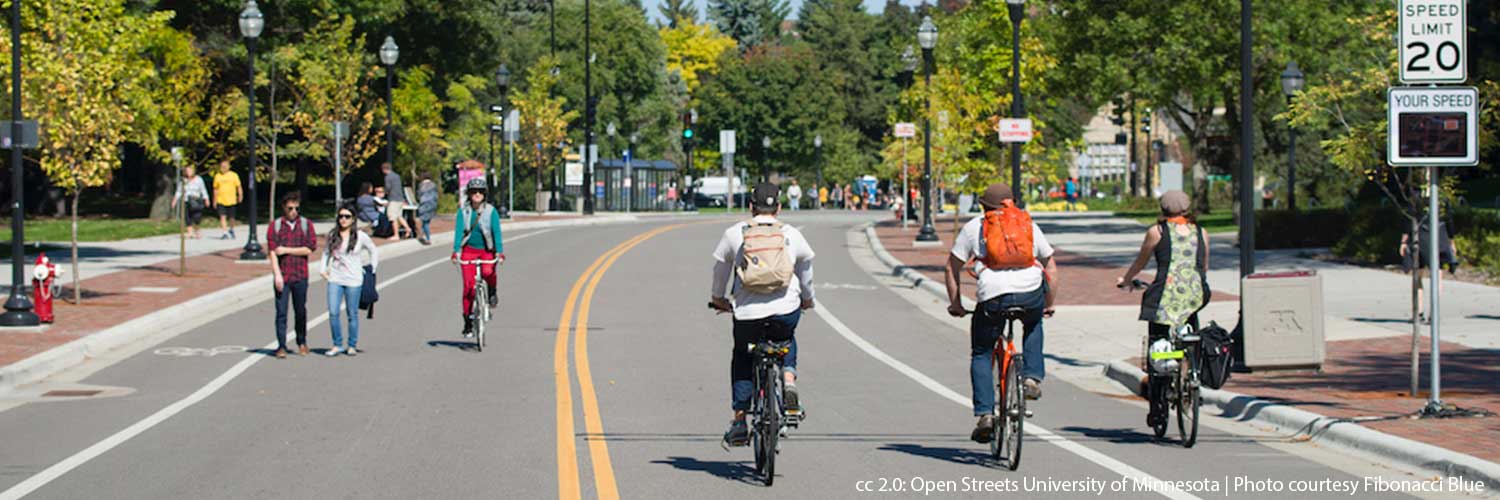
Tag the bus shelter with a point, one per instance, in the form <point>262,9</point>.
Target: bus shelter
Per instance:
<point>646,189</point>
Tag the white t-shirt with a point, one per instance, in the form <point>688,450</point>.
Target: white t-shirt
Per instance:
<point>755,305</point>
<point>993,283</point>
<point>794,192</point>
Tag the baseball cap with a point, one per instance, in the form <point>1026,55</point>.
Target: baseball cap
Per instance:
<point>765,196</point>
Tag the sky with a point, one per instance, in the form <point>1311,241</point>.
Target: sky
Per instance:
<point>652,10</point>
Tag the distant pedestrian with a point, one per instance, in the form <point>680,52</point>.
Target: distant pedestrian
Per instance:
<point>1447,257</point>
<point>290,240</point>
<point>427,206</point>
<point>194,198</point>
<point>227,194</point>
<point>384,227</point>
<point>1071,191</point>
<point>850,200</point>
<point>672,196</point>
<point>794,196</point>
<point>822,197</point>
<point>344,270</point>
<point>395,197</point>
<point>838,196</point>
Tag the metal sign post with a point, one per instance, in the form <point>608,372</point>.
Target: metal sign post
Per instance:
<point>512,134</point>
<point>726,148</point>
<point>340,132</point>
<point>904,131</point>
<point>1430,128</point>
<point>181,214</point>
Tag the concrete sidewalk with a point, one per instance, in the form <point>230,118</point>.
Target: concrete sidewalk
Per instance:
<point>1358,401</point>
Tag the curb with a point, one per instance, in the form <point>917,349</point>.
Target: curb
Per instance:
<point>181,318</point>
<point>1340,434</point>
<point>1336,433</point>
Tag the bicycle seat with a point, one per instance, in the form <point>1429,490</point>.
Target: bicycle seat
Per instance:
<point>1013,313</point>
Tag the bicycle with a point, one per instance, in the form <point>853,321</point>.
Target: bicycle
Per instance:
<point>769,419</point>
<point>480,313</point>
<point>1010,415</point>
<point>1183,393</point>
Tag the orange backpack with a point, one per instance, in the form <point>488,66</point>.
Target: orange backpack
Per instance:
<point>1006,238</point>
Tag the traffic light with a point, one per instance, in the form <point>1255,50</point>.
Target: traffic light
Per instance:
<point>1118,117</point>
<point>1146,121</point>
<point>687,125</point>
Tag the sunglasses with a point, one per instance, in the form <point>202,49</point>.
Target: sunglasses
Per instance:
<point>292,208</point>
<point>345,216</point>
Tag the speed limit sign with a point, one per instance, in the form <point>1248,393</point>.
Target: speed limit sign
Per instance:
<point>1433,41</point>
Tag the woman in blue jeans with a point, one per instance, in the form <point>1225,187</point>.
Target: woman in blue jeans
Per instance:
<point>344,270</point>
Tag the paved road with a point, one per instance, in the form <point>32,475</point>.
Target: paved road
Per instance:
<point>638,414</point>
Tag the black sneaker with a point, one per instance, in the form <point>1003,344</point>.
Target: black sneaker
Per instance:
<point>738,434</point>
<point>494,300</point>
<point>984,430</point>
<point>468,328</point>
<point>789,396</point>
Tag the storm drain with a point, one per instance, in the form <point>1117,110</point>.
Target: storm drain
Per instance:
<point>70,393</point>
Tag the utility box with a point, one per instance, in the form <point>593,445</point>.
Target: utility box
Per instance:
<point>1283,320</point>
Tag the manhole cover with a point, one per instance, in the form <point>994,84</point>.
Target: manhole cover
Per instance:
<point>70,393</point>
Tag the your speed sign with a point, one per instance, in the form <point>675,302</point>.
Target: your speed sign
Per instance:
<point>1433,41</point>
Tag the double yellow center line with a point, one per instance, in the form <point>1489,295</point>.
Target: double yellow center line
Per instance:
<point>568,486</point>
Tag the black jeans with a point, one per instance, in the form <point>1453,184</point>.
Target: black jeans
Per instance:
<point>742,364</point>
<point>297,292</point>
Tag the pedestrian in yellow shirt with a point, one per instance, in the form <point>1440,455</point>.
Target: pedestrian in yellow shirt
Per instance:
<point>228,195</point>
<point>822,196</point>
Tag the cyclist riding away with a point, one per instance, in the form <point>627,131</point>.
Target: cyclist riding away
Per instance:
<point>1016,269</point>
<point>476,236</point>
<point>772,268</point>
<point>1180,289</point>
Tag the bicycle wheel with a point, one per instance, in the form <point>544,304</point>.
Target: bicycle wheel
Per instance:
<point>757,416</point>
<point>1188,404</point>
<point>998,426</point>
<point>481,298</point>
<point>772,426</point>
<point>1015,407</point>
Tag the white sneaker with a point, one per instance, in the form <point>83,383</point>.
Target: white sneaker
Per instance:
<point>352,351</point>
<point>333,352</point>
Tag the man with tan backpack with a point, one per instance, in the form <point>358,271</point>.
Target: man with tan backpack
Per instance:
<point>771,266</point>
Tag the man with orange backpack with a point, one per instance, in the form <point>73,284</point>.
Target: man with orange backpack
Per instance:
<point>1015,269</point>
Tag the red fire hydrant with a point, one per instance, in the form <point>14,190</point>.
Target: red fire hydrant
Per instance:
<point>43,279</point>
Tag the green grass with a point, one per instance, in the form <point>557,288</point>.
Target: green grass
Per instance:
<point>91,229</point>
<point>1216,222</point>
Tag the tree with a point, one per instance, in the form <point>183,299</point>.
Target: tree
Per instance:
<point>749,22</point>
<point>678,13</point>
<point>178,111</point>
<point>544,124</point>
<point>420,114</point>
<point>694,51</point>
<point>87,75</point>
<point>328,78</point>
<point>769,92</point>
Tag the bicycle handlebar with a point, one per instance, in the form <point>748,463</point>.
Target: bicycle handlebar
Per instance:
<point>1135,284</point>
<point>477,262</point>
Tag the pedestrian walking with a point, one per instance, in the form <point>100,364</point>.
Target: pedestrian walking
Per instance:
<point>822,197</point>
<point>838,196</point>
<point>227,194</point>
<point>850,200</point>
<point>395,197</point>
<point>343,267</point>
<point>290,240</point>
<point>194,198</point>
<point>427,206</point>
<point>1071,191</point>
<point>794,196</point>
<point>1416,261</point>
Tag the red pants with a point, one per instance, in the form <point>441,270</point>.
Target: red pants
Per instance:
<point>487,270</point>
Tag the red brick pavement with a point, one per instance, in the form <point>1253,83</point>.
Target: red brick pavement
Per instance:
<point>108,301</point>
<point>1085,281</point>
<point>1360,378</point>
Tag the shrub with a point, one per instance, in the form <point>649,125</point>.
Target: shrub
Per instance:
<point>1373,235</point>
<point>1314,228</point>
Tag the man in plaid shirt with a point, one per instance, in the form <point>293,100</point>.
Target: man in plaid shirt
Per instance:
<point>290,239</point>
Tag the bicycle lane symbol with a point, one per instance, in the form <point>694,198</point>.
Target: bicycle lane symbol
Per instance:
<point>189,352</point>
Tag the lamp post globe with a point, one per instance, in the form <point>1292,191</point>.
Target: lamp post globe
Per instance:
<point>252,22</point>
<point>927,39</point>
<point>389,52</point>
<point>502,77</point>
<point>1292,79</point>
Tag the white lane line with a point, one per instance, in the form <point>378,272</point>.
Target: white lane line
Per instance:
<point>50,474</point>
<point>1125,470</point>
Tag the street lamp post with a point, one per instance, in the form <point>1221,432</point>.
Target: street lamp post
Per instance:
<point>589,110</point>
<point>388,54</point>
<point>765,163</point>
<point>609,152</point>
<point>909,60</point>
<point>251,24</point>
<point>1017,106</point>
<point>927,38</point>
<point>629,180</point>
<point>1292,81</point>
<point>17,306</point>
<point>502,78</point>
<point>818,157</point>
<point>1247,146</point>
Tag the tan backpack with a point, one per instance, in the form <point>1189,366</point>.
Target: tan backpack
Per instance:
<point>764,265</point>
